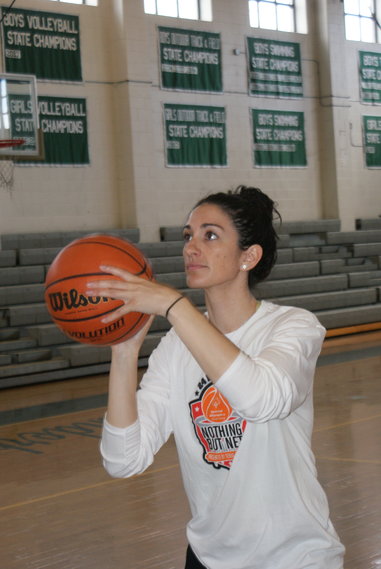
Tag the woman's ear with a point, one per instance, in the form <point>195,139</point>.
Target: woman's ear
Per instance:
<point>251,257</point>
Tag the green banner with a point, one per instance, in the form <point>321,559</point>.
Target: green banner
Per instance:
<point>41,43</point>
<point>21,120</point>
<point>63,122</point>
<point>370,77</point>
<point>274,68</point>
<point>190,60</point>
<point>279,139</point>
<point>372,141</point>
<point>195,135</point>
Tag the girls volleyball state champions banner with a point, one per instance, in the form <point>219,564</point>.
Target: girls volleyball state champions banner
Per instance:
<point>274,68</point>
<point>190,60</point>
<point>195,135</point>
<point>279,138</point>
<point>63,122</point>
<point>370,77</point>
<point>41,43</point>
<point>372,141</point>
<point>20,108</point>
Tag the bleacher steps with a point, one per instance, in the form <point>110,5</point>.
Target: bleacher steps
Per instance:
<point>320,253</point>
<point>22,275</point>
<point>21,294</point>
<point>82,354</point>
<point>352,316</point>
<point>27,314</point>
<point>8,258</point>
<point>5,359</point>
<point>48,335</point>
<point>31,355</point>
<point>347,265</point>
<point>54,375</point>
<point>330,300</point>
<point>9,334</point>
<point>294,287</point>
<point>369,249</point>
<point>295,270</point>
<point>284,256</point>
<point>371,223</point>
<point>371,278</point>
<point>13,370</point>
<point>351,237</point>
<point>7,346</point>
<point>162,248</point>
<point>38,256</point>
<point>59,238</point>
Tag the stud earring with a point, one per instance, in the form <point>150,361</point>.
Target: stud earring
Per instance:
<point>244,267</point>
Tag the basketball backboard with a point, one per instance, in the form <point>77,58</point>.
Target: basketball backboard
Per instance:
<point>20,138</point>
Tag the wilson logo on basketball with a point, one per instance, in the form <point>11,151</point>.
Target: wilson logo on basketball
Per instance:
<point>219,429</point>
<point>59,301</point>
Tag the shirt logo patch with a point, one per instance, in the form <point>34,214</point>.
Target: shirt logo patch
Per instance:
<point>219,429</point>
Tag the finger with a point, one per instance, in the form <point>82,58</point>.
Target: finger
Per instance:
<point>116,314</point>
<point>105,288</point>
<point>116,271</point>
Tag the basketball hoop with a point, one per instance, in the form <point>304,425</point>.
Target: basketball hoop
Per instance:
<point>11,142</point>
<point>7,164</point>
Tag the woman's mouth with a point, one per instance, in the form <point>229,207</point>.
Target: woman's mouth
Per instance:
<point>194,266</point>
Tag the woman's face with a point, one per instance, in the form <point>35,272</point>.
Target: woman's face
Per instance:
<point>211,252</point>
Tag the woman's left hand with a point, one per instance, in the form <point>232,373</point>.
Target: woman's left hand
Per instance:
<point>137,293</point>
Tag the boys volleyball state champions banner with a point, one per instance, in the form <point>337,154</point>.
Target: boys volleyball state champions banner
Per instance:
<point>372,141</point>
<point>274,68</point>
<point>279,138</point>
<point>190,60</point>
<point>41,43</point>
<point>195,135</point>
<point>370,77</point>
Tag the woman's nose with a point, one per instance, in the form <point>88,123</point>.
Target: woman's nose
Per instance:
<point>191,247</point>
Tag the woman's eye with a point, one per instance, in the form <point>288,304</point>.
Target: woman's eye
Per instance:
<point>210,235</point>
<point>187,236</point>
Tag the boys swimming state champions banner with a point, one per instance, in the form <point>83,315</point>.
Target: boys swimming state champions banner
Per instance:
<point>279,138</point>
<point>190,60</point>
<point>195,135</point>
<point>372,141</point>
<point>370,77</point>
<point>41,43</point>
<point>274,68</point>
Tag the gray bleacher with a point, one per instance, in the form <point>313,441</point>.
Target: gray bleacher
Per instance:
<point>336,275</point>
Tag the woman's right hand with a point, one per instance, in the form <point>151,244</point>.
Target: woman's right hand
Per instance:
<point>133,344</point>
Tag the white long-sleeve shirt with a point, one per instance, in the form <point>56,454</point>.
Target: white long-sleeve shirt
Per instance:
<point>243,445</point>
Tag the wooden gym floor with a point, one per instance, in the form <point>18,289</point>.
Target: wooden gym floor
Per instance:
<point>60,510</point>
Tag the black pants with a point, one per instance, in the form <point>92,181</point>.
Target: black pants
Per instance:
<point>191,561</point>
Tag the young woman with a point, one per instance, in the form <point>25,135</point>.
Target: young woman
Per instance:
<point>234,386</point>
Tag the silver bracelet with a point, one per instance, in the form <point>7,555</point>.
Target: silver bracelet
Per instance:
<point>173,304</point>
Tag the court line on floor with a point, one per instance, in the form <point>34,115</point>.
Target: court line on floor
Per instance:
<point>346,423</point>
<point>60,415</point>
<point>84,488</point>
<point>357,460</point>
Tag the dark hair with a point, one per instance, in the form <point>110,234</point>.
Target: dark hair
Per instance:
<point>252,213</point>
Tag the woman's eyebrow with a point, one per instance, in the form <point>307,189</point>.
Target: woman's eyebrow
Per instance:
<point>205,225</point>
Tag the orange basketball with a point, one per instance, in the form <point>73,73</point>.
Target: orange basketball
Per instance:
<point>79,316</point>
